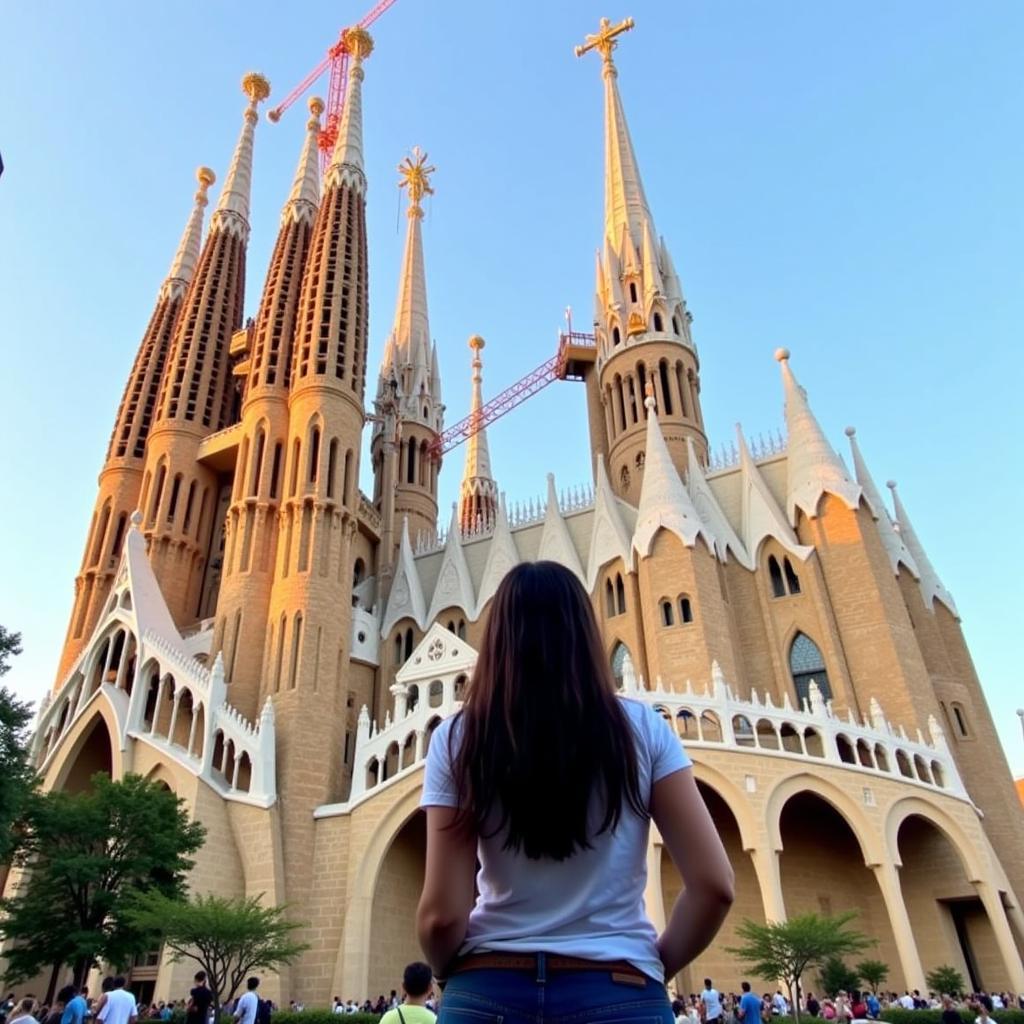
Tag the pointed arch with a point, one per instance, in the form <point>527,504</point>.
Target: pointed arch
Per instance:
<point>806,662</point>
<point>620,652</point>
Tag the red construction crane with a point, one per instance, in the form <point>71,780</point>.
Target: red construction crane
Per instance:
<point>576,351</point>
<point>337,60</point>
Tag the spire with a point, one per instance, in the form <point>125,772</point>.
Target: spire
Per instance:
<point>812,467</point>
<point>348,147</point>
<point>411,330</point>
<point>664,501</point>
<point>609,537</point>
<point>183,266</point>
<point>710,511</point>
<point>305,194</point>
<point>233,204</point>
<point>624,201</point>
<point>556,543</point>
<point>478,495</point>
<point>931,585</point>
<point>891,539</point>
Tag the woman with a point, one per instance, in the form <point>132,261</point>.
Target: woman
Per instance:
<point>551,781</point>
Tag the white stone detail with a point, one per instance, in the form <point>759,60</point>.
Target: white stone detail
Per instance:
<point>609,538</point>
<point>406,597</point>
<point>555,542</point>
<point>454,586</point>
<point>502,555</point>
<point>724,537</point>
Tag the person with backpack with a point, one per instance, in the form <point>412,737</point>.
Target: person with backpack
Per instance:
<point>553,780</point>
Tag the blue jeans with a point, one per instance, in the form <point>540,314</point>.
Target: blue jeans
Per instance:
<point>540,996</point>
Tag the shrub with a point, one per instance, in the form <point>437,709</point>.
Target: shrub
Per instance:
<point>895,1015</point>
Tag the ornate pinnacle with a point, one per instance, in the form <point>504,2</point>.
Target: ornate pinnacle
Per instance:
<point>358,42</point>
<point>206,178</point>
<point>604,40</point>
<point>257,88</point>
<point>316,108</point>
<point>416,177</point>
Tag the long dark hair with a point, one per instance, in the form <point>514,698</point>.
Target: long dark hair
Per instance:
<point>543,735</point>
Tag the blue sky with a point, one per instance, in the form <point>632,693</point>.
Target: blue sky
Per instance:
<point>841,179</point>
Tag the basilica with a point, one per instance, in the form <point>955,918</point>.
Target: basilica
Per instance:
<point>277,647</point>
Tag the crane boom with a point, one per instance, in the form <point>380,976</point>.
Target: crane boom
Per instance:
<point>574,348</point>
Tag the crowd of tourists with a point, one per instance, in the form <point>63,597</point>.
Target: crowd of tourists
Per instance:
<point>747,1007</point>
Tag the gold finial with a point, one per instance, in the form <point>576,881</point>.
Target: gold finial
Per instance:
<point>316,108</point>
<point>206,178</point>
<point>256,87</point>
<point>416,178</point>
<point>604,39</point>
<point>476,343</point>
<point>358,42</point>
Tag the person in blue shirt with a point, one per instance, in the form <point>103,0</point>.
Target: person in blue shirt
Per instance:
<point>874,1006</point>
<point>750,1006</point>
<point>74,1005</point>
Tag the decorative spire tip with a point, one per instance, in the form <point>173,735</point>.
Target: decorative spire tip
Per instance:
<point>358,42</point>
<point>891,484</point>
<point>604,40</point>
<point>850,431</point>
<point>316,106</point>
<point>415,175</point>
<point>256,87</point>
<point>476,342</point>
<point>205,177</point>
<point>781,354</point>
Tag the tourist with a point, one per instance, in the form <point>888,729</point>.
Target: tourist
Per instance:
<point>780,1005</point>
<point>552,780</point>
<point>249,1004</point>
<point>906,1001</point>
<point>812,1005</point>
<point>828,1009</point>
<point>200,999</point>
<point>106,987</point>
<point>710,1004</point>
<point>119,1006</point>
<point>337,1006</point>
<point>417,986</point>
<point>750,1006</point>
<point>842,1005</point>
<point>874,1006</point>
<point>858,1006</point>
<point>983,1015</point>
<point>950,1015</point>
<point>75,1006</point>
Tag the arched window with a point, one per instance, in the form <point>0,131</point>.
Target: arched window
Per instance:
<point>461,631</point>
<point>658,325</point>
<point>408,643</point>
<point>398,649</point>
<point>296,452</point>
<point>792,580</point>
<point>275,471</point>
<point>775,574</point>
<point>675,325</point>
<point>609,598</point>
<point>314,454</point>
<point>668,617</point>
<point>296,647</point>
<point>620,595</point>
<point>806,663</point>
<point>410,474</point>
<point>173,503</point>
<point>332,466</point>
<point>960,718</point>
<point>632,291</point>
<point>685,610</point>
<point>666,392</point>
<point>616,336</point>
<point>257,462</point>
<point>619,656</point>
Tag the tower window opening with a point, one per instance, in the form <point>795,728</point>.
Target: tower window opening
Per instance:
<point>332,466</point>
<point>158,493</point>
<point>675,325</point>
<point>667,614</point>
<point>461,631</point>
<point>632,291</point>
<point>620,595</point>
<point>806,663</point>
<point>408,643</point>
<point>410,472</point>
<point>616,336</point>
<point>296,644</point>
<point>275,470</point>
<point>173,503</point>
<point>296,453</point>
<point>122,521</point>
<point>666,391</point>
<point>658,323</point>
<point>961,721</point>
<point>792,580</point>
<point>189,501</point>
<point>346,495</point>
<point>685,610</point>
<point>257,463</point>
<point>609,598</point>
<point>641,372</point>
<point>775,574</point>
<point>314,455</point>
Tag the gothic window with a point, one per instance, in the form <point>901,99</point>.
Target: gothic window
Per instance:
<point>806,663</point>
<point>668,617</point>
<point>961,719</point>
<point>410,475</point>
<point>275,470</point>
<point>666,392</point>
<point>632,291</point>
<point>675,325</point>
<point>619,656</point>
<point>616,336</point>
<point>658,326</point>
<point>792,580</point>
<point>609,598</point>
<point>620,595</point>
<point>314,454</point>
<point>685,610</point>
<point>293,678</point>
<point>122,521</point>
<point>775,574</point>
<point>296,451</point>
<point>408,643</point>
<point>257,463</point>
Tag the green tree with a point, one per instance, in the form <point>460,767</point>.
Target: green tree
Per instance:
<point>874,973</point>
<point>85,855</point>
<point>835,976</point>
<point>785,949</point>
<point>17,779</point>
<point>227,938</point>
<point>945,980</point>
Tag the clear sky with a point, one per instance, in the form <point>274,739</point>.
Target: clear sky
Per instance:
<point>841,179</point>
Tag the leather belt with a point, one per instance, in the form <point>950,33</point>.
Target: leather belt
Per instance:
<point>553,962</point>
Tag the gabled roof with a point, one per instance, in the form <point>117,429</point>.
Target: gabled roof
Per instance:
<point>454,586</point>
<point>609,538</point>
<point>406,597</point>
<point>439,652</point>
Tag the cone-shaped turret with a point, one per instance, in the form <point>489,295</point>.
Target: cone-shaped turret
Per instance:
<point>251,527</point>
<point>931,585</point>
<point>641,322</point>
<point>198,395</point>
<point>478,493</point>
<point>893,543</point>
<point>812,466</point>
<point>347,159</point>
<point>121,477</point>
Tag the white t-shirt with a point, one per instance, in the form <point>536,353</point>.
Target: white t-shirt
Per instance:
<point>712,1003</point>
<point>247,1006</point>
<point>119,1008</point>
<point>590,905</point>
<point>907,1002</point>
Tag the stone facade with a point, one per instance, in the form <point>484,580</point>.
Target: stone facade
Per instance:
<point>277,648</point>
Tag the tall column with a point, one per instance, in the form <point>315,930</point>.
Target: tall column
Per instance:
<point>910,960</point>
<point>769,881</point>
<point>993,904</point>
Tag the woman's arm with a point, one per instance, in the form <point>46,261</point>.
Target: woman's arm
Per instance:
<point>448,895</point>
<point>696,850</point>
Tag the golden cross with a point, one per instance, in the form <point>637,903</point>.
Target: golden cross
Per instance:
<point>416,177</point>
<point>604,39</point>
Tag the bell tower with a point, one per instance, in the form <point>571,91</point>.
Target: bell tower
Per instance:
<point>641,321</point>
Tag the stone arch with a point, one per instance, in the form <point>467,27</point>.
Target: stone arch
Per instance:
<point>738,802</point>
<point>966,848</point>
<point>163,773</point>
<point>76,742</point>
<point>352,964</point>
<point>871,844</point>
